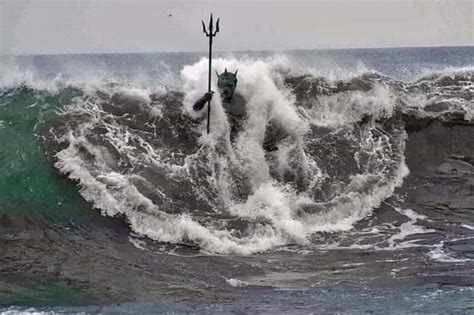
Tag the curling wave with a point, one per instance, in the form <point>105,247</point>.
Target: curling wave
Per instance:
<point>144,154</point>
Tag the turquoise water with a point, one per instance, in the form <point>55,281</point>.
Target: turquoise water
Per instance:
<point>30,185</point>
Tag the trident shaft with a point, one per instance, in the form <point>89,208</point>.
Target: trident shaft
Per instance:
<point>210,33</point>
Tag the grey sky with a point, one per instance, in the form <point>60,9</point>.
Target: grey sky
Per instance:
<point>78,26</point>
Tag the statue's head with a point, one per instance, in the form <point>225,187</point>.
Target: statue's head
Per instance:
<point>227,82</point>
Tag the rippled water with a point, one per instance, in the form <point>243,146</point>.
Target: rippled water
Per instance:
<point>114,200</point>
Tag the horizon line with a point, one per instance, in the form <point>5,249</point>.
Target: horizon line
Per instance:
<point>229,51</point>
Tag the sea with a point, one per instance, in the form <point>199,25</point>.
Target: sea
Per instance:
<point>114,199</point>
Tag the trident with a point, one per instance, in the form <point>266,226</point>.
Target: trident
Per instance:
<point>210,34</point>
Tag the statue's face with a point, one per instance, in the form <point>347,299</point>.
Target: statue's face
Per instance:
<point>227,82</point>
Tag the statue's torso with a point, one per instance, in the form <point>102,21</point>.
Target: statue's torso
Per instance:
<point>236,110</point>
<point>236,107</point>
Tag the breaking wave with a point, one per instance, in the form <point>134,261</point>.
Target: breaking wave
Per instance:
<point>338,149</point>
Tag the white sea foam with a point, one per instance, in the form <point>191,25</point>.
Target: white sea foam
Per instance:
<point>438,253</point>
<point>273,208</point>
<point>343,108</point>
<point>448,70</point>
<point>31,311</point>
<point>408,228</point>
<point>236,283</point>
<point>470,227</point>
<point>137,243</point>
<point>88,75</point>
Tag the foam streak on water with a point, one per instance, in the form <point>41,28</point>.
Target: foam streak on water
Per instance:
<point>339,175</point>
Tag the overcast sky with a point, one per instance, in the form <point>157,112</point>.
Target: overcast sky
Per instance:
<point>83,26</point>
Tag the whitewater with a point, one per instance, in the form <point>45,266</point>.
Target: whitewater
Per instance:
<point>370,183</point>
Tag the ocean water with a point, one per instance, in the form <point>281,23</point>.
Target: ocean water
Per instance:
<point>113,199</point>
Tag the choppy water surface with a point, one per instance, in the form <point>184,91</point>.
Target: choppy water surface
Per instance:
<point>115,200</point>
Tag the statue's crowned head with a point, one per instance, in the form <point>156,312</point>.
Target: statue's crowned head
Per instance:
<point>227,82</point>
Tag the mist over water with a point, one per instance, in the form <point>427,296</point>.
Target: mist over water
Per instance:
<point>108,175</point>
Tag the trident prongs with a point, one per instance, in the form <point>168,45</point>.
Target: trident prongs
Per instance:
<point>210,33</point>
<point>217,27</point>
<point>204,29</point>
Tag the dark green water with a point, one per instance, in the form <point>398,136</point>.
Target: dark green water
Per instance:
<point>29,184</point>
